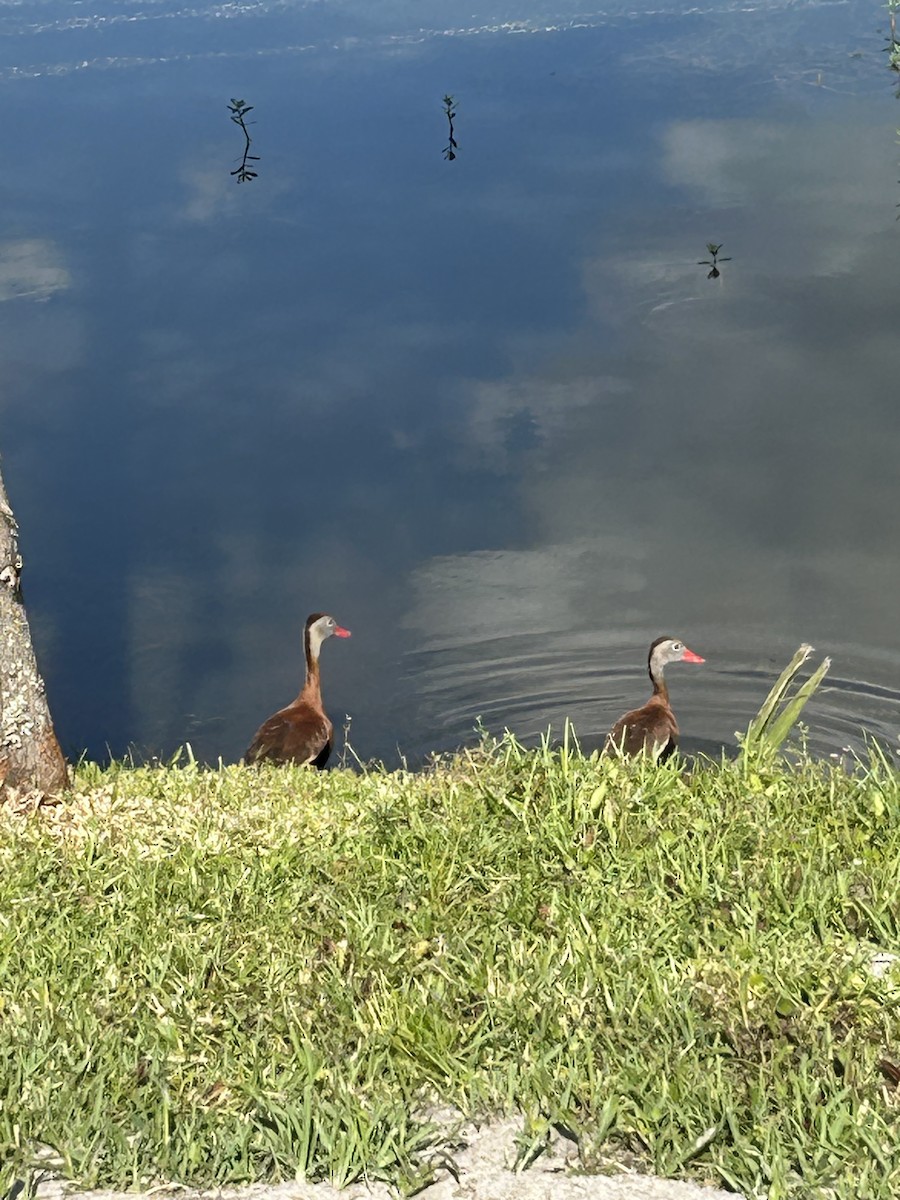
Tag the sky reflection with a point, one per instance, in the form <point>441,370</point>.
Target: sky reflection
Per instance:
<point>490,413</point>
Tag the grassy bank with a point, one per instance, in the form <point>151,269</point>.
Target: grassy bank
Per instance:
<point>217,976</point>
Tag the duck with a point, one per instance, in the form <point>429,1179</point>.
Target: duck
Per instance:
<point>301,733</point>
<point>652,729</point>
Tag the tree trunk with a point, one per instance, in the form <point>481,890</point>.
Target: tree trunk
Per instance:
<point>30,757</point>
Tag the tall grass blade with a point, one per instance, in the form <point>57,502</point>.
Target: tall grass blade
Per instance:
<point>759,723</point>
<point>780,711</point>
<point>789,715</point>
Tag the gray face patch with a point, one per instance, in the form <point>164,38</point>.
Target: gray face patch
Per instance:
<point>318,632</point>
<point>666,652</point>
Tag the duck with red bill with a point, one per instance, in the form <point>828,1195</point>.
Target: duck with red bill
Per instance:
<point>652,729</point>
<point>301,733</point>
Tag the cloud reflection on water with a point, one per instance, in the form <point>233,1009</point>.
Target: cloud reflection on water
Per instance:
<point>743,450</point>
<point>500,425</point>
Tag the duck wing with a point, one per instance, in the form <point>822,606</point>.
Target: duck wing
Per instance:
<point>652,730</point>
<point>296,734</point>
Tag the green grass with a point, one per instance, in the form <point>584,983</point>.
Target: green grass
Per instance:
<point>781,709</point>
<point>216,976</point>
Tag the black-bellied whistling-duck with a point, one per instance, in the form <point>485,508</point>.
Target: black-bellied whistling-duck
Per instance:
<point>653,728</point>
<point>301,733</point>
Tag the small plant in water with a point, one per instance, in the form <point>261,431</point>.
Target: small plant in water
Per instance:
<point>450,112</point>
<point>239,110</point>
<point>714,261</point>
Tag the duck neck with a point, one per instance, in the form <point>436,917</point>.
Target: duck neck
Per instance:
<point>657,678</point>
<point>311,689</point>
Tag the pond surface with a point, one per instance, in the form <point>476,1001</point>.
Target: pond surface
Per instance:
<point>490,412</point>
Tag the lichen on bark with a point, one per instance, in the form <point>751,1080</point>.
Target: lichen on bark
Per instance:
<point>30,756</point>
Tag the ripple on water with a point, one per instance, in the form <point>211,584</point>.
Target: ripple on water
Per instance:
<point>529,683</point>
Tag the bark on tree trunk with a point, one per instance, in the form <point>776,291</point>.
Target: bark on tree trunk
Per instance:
<point>30,757</point>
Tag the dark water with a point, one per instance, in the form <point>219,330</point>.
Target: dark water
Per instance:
<point>488,412</point>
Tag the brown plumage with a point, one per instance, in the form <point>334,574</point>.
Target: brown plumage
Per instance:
<point>301,732</point>
<point>652,729</point>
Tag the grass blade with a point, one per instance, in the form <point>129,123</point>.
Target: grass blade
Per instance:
<point>780,711</point>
